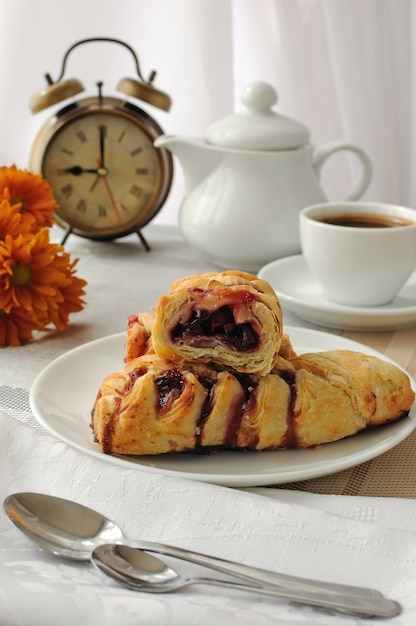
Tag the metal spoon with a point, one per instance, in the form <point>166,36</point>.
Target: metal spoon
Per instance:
<point>144,572</point>
<point>72,530</point>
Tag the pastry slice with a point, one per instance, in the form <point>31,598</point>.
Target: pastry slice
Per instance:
<point>138,341</point>
<point>232,319</point>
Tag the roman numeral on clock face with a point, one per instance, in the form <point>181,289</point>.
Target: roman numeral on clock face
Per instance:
<point>67,190</point>
<point>136,191</point>
<point>82,136</point>
<point>82,206</point>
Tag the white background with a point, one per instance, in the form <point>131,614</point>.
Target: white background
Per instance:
<point>342,67</point>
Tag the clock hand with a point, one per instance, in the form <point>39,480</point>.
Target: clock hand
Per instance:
<point>102,145</point>
<point>76,170</point>
<point>95,183</point>
<point>103,173</point>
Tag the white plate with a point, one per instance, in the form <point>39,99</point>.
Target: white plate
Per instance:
<point>64,392</point>
<point>298,291</point>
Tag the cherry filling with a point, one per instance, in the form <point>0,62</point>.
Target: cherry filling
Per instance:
<point>170,386</point>
<point>132,319</point>
<point>136,373</point>
<point>210,328</point>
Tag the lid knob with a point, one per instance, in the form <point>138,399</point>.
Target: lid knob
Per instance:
<point>258,127</point>
<point>259,96</point>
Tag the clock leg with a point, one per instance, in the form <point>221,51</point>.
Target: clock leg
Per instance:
<point>143,240</point>
<point>66,235</point>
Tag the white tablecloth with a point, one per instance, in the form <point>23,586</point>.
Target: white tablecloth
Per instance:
<point>368,541</point>
<point>38,589</point>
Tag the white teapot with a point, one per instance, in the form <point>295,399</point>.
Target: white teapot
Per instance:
<point>247,181</point>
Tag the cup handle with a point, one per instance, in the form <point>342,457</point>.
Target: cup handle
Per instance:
<point>322,154</point>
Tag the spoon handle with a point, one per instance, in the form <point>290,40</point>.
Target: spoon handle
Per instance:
<point>368,606</point>
<point>255,574</point>
<point>137,570</point>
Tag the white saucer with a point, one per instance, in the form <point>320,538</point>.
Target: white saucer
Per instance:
<point>298,291</point>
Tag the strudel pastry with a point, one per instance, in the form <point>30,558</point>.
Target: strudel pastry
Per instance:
<point>157,406</point>
<point>232,318</point>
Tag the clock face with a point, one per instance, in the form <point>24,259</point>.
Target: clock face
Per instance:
<point>107,176</point>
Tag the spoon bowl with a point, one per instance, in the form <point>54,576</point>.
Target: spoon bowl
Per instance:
<point>144,572</point>
<point>63,527</point>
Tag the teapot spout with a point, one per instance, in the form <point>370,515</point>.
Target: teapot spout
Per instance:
<point>198,159</point>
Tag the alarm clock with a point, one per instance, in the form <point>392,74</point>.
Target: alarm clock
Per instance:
<point>97,154</point>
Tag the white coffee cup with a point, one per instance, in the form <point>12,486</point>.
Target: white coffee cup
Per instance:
<point>364,262</point>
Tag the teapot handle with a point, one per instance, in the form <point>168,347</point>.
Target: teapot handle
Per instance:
<point>322,154</point>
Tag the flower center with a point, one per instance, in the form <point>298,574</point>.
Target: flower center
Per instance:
<point>15,199</point>
<point>22,275</point>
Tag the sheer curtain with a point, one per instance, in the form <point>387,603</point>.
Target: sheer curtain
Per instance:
<point>343,67</point>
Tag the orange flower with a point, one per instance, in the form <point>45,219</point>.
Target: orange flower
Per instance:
<point>32,192</point>
<point>11,222</point>
<point>35,274</point>
<point>17,326</point>
<point>38,285</point>
<point>71,289</point>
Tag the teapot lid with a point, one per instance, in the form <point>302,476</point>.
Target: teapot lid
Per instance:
<point>258,127</point>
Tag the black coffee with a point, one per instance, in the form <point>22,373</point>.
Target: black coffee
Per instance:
<point>365,220</point>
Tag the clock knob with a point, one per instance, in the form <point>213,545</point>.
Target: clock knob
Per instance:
<point>145,92</point>
<point>54,93</point>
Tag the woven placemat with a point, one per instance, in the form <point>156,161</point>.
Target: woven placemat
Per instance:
<point>392,474</point>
